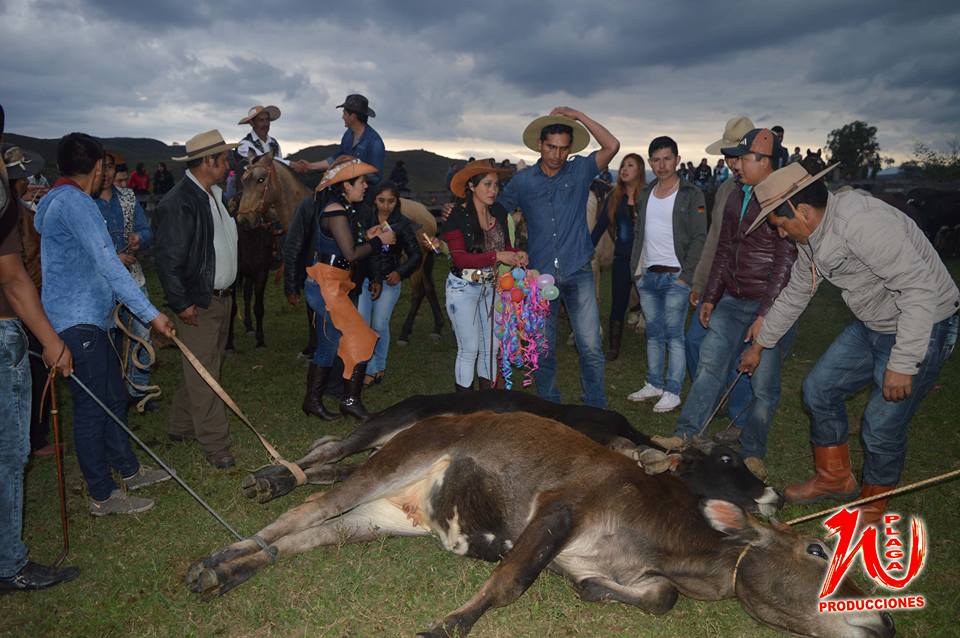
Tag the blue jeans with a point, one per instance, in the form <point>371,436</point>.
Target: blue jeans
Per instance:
<point>664,303</point>
<point>377,315</point>
<point>855,359</point>
<point>578,294</point>
<point>139,329</point>
<point>14,443</point>
<point>328,337</point>
<point>719,353</point>
<point>469,306</point>
<point>101,444</point>
<point>741,395</point>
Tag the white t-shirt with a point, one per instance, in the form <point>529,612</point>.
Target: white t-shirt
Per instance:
<point>658,249</point>
<point>224,238</point>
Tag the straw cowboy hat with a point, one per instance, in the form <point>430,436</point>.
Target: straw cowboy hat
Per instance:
<point>458,183</point>
<point>271,110</point>
<point>780,186</point>
<point>733,132</point>
<point>204,144</point>
<point>531,134</point>
<point>21,163</point>
<point>344,169</point>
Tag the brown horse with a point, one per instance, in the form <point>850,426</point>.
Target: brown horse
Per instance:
<point>270,192</point>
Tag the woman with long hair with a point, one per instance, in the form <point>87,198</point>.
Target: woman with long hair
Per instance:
<point>339,240</point>
<point>385,270</point>
<point>478,238</point>
<point>617,216</point>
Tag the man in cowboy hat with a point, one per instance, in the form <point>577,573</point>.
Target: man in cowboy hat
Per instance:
<point>905,303</point>
<point>360,140</point>
<point>747,274</point>
<point>19,306</point>
<point>83,279</point>
<point>195,254</point>
<point>259,141</point>
<point>553,197</point>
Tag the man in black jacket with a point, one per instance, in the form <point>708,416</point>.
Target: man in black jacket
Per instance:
<point>196,260</point>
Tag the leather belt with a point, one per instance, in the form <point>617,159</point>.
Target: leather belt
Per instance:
<point>221,293</point>
<point>663,269</point>
<point>6,318</point>
<point>336,261</point>
<point>473,275</point>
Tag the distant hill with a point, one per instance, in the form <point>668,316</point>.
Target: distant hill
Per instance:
<point>426,170</point>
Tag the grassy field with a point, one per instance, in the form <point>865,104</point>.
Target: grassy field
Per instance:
<point>133,567</point>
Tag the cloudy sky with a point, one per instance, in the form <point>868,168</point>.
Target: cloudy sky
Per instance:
<point>464,81</point>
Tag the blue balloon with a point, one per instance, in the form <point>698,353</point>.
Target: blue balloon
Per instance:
<point>518,273</point>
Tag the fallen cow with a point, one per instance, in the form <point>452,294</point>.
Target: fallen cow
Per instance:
<point>533,494</point>
<point>714,472</point>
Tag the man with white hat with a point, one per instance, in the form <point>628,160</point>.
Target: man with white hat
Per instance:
<point>553,195</point>
<point>259,141</point>
<point>905,303</point>
<point>195,254</point>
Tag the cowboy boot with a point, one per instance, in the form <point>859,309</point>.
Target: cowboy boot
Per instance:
<point>316,383</point>
<point>833,478</point>
<point>484,384</point>
<point>460,388</point>
<point>616,335</point>
<point>352,388</point>
<point>873,511</point>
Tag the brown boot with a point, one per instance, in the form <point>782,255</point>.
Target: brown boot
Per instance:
<point>484,384</point>
<point>616,335</point>
<point>352,389</point>
<point>832,480</point>
<point>873,511</point>
<point>313,401</point>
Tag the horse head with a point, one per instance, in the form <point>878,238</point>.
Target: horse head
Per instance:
<point>259,191</point>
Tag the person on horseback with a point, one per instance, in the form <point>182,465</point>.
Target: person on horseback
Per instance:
<point>360,140</point>
<point>259,141</point>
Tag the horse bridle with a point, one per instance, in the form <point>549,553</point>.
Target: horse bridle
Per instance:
<point>260,219</point>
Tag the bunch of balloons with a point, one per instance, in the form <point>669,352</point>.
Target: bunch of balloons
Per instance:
<point>521,306</point>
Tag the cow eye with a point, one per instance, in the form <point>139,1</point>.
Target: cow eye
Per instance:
<point>815,549</point>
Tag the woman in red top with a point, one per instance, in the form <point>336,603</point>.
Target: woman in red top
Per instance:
<point>477,237</point>
<point>139,181</point>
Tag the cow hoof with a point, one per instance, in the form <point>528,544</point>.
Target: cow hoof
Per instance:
<point>269,483</point>
<point>207,584</point>
<point>193,573</point>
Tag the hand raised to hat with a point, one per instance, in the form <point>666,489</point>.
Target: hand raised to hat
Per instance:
<point>566,111</point>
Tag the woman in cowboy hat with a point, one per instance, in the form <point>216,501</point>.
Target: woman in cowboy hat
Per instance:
<point>477,236</point>
<point>338,241</point>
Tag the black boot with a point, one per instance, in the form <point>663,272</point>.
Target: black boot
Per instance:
<point>616,334</point>
<point>352,387</point>
<point>316,383</point>
<point>460,388</point>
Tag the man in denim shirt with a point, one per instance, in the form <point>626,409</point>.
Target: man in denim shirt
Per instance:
<point>82,280</point>
<point>360,140</point>
<point>553,197</point>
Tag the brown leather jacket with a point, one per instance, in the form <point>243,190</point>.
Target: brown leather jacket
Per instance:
<point>755,266</point>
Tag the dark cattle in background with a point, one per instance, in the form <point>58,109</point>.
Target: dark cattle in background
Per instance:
<point>532,494</point>
<point>935,209</point>
<point>715,472</point>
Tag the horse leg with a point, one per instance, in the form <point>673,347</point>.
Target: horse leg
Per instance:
<point>248,282</point>
<point>431,293</point>
<point>260,291</point>
<point>416,298</point>
<point>233,315</point>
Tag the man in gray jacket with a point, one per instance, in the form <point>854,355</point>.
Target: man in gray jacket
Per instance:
<point>905,303</point>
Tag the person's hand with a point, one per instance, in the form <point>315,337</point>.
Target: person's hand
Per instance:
<point>133,243</point>
<point>508,257</point>
<point>750,359</point>
<point>694,298</point>
<point>189,316</point>
<point>753,331</point>
<point>375,288</point>
<point>388,237</point>
<point>293,299</point>
<point>373,231</point>
<point>300,166</point>
<point>126,259</point>
<point>566,111</point>
<point>446,210</point>
<point>897,386</point>
<point>706,309</point>
<point>393,278</point>
<point>430,243</point>
<point>58,355</point>
<point>162,324</point>
<point>522,259</point>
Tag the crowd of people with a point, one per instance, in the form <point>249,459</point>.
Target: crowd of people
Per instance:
<point>747,268</point>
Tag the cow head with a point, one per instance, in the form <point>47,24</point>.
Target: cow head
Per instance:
<point>718,471</point>
<point>778,576</point>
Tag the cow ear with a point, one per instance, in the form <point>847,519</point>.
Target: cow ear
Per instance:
<point>725,517</point>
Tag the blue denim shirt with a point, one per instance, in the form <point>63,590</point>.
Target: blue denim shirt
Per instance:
<point>555,209</point>
<point>113,215</point>
<point>82,276</point>
<point>369,148</point>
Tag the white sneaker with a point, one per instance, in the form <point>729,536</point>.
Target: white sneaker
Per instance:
<point>645,393</point>
<point>668,402</point>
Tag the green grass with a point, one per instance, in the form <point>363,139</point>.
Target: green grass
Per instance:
<point>133,567</point>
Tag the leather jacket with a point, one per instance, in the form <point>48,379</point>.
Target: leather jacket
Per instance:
<point>183,246</point>
<point>298,245</point>
<point>755,266</point>
<point>381,264</point>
